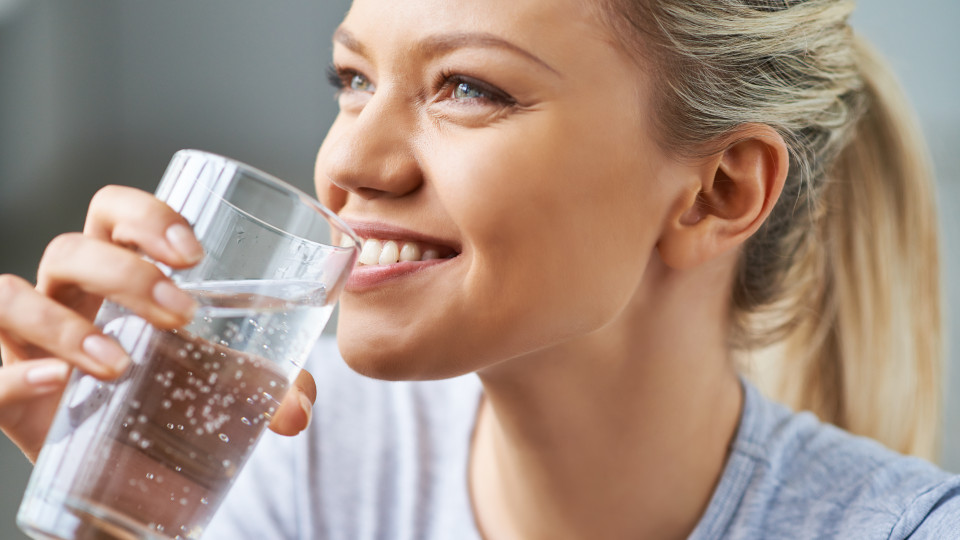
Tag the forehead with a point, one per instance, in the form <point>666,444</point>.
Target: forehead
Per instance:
<point>548,26</point>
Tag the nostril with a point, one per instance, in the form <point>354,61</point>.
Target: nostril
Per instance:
<point>369,193</point>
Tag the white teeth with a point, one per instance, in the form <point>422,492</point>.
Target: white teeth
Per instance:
<point>410,252</point>
<point>390,253</point>
<point>370,254</point>
<point>345,241</point>
<point>384,252</point>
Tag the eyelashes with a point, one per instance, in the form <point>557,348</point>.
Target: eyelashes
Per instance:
<point>335,78</point>
<point>465,88</point>
<point>447,85</point>
<point>343,79</point>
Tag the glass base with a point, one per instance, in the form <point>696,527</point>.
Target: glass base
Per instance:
<point>71,519</point>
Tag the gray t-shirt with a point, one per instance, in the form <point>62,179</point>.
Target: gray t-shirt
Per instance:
<point>388,460</point>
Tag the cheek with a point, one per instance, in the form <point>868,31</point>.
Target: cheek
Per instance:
<point>561,225</point>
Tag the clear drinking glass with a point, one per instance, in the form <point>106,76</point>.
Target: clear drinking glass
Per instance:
<point>152,454</point>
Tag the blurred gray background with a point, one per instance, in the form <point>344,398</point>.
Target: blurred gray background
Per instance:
<point>105,91</point>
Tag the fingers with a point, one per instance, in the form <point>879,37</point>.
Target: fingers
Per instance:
<point>296,410</point>
<point>128,216</point>
<point>28,390</point>
<point>38,320</point>
<point>27,380</point>
<point>76,264</point>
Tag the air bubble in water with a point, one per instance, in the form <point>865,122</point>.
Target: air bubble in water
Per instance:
<point>203,500</point>
<point>166,404</point>
<point>142,419</point>
<point>224,438</point>
<point>226,463</point>
<point>244,420</point>
<point>149,476</point>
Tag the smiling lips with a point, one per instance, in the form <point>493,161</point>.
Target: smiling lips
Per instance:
<point>383,261</point>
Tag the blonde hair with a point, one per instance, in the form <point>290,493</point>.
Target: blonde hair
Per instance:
<point>836,305</point>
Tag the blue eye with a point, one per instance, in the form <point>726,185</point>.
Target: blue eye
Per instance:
<point>465,90</point>
<point>348,79</point>
<point>361,84</point>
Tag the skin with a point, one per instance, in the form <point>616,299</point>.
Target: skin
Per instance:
<point>591,284</point>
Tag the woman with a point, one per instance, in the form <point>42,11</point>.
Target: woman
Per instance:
<point>607,210</point>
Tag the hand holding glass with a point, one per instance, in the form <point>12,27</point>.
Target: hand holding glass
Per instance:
<point>152,454</point>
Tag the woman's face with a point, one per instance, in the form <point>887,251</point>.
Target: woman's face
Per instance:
<point>502,149</point>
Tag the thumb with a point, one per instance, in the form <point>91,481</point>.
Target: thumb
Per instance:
<point>296,409</point>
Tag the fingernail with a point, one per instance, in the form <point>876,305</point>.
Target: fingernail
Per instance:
<point>48,374</point>
<point>173,299</point>
<point>182,240</point>
<point>106,352</point>
<point>307,407</point>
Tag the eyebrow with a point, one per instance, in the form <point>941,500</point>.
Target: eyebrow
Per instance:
<point>443,43</point>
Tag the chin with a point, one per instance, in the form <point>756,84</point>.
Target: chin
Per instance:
<point>392,360</point>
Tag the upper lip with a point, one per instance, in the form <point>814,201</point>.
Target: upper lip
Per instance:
<point>385,231</point>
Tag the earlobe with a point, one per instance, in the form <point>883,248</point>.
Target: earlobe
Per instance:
<point>737,189</point>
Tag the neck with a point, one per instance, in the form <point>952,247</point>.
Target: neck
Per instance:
<point>622,433</point>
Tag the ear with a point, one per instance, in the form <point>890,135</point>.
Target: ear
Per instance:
<point>733,192</point>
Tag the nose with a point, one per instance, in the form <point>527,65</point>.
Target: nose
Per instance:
<point>371,154</point>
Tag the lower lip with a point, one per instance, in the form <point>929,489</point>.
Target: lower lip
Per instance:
<point>366,277</point>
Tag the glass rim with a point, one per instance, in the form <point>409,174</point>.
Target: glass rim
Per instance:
<point>273,181</point>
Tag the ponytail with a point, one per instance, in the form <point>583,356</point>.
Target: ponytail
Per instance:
<point>868,355</point>
<point>836,306</point>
